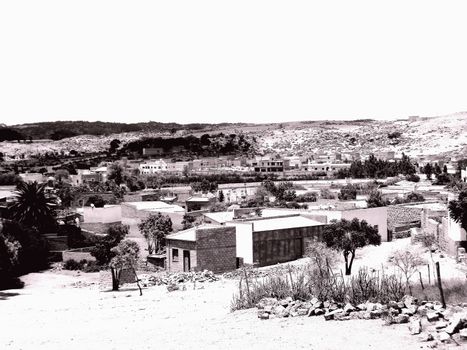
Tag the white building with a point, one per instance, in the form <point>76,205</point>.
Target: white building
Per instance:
<point>153,167</point>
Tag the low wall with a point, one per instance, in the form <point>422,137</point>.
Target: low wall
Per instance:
<point>78,254</point>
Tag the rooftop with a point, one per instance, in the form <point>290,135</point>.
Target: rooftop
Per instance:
<point>284,222</point>
<point>156,206</point>
<point>221,216</point>
<point>188,234</point>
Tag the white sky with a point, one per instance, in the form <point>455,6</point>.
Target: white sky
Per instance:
<point>216,61</point>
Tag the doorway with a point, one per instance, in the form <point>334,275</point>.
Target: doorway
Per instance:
<point>186,261</point>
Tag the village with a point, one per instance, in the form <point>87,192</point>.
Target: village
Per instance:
<point>165,224</point>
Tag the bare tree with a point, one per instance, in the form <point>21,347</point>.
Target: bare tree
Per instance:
<point>408,261</point>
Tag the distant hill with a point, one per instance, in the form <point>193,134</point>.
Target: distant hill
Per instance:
<point>63,129</point>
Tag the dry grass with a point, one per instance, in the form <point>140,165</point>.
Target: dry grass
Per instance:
<point>455,291</point>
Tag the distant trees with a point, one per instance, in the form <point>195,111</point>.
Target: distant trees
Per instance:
<point>32,208</point>
<point>376,199</point>
<point>116,173</point>
<point>9,179</point>
<point>348,192</point>
<point>204,186</point>
<point>412,178</point>
<point>428,170</point>
<point>114,144</point>
<point>377,168</point>
<point>96,200</point>
<point>154,228</point>
<point>347,236</point>
<point>411,197</point>
<point>306,197</point>
<point>325,193</point>
<point>458,209</point>
<point>8,134</point>
<point>62,134</point>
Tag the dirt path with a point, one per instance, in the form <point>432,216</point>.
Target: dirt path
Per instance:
<point>51,314</point>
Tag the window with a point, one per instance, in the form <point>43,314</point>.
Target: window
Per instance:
<point>174,254</point>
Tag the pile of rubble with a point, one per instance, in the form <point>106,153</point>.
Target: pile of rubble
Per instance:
<point>429,320</point>
<point>175,278</point>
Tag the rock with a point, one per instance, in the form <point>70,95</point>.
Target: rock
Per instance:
<point>459,340</point>
<point>432,316</point>
<point>354,315</point>
<point>348,308</point>
<point>408,301</point>
<point>361,307</point>
<point>444,337</point>
<point>400,305</point>
<point>463,333</point>
<point>266,302</point>
<point>319,311</point>
<point>279,311</point>
<point>326,304</point>
<point>429,305</point>
<point>263,315</point>
<point>330,315</point>
<point>375,314</point>
<point>285,302</point>
<point>302,311</point>
<point>425,336</point>
<point>407,311</point>
<point>441,325</point>
<point>365,315</point>
<point>454,324</point>
<point>393,311</point>
<point>341,317</point>
<point>393,304</point>
<point>402,318</point>
<point>314,300</point>
<point>379,306</point>
<point>370,307</point>
<point>422,310</point>
<point>415,326</point>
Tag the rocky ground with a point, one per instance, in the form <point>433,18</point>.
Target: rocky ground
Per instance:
<point>71,310</point>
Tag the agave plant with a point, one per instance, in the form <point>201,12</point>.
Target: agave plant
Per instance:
<point>31,206</point>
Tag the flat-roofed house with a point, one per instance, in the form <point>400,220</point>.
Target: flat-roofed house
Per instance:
<point>268,241</point>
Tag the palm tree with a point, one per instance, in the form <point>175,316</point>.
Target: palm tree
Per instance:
<point>32,207</point>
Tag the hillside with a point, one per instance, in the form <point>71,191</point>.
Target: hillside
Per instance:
<point>437,135</point>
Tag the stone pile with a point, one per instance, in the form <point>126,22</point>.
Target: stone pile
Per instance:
<point>176,278</point>
<point>428,320</point>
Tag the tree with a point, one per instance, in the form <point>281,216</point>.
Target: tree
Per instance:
<point>412,178</point>
<point>415,197</point>
<point>306,197</point>
<point>204,186</point>
<point>221,196</point>
<point>61,174</point>
<point>348,236</point>
<point>376,200</point>
<point>103,247</point>
<point>428,170</point>
<point>325,193</point>
<point>348,192</point>
<point>116,173</point>
<point>458,209</point>
<point>114,144</point>
<point>96,200</point>
<point>154,228</point>
<point>445,169</point>
<point>32,207</point>
<point>407,261</point>
<point>125,256</point>
<point>188,221</point>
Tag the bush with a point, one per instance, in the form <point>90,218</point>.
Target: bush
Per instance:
<point>91,266</point>
<point>72,265</point>
<point>412,178</point>
<point>455,291</point>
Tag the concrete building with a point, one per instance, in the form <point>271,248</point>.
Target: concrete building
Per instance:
<point>268,241</point>
<point>268,165</point>
<point>33,177</point>
<point>204,247</point>
<point>327,168</point>
<point>179,167</point>
<point>374,216</point>
<point>153,167</point>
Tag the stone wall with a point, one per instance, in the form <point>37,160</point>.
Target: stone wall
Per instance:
<point>399,215</point>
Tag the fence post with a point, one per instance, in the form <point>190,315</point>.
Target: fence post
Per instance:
<point>421,281</point>
<point>438,273</point>
<point>429,276</point>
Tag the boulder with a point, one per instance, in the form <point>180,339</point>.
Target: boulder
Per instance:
<point>361,307</point>
<point>454,325</point>
<point>415,326</point>
<point>266,302</point>
<point>330,315</point>
<point>432,316</point>
<point>319,311</point>
<point>408,301</point>
<point>370,307</point>
<point>263,315</point>
<point>425,336</point>
<point>393,304</point>
<point>444,337</point>
<point>463,333</point>
<point>376,314</point>
<point>402,318</point>
<point>441,324</point>
<point>280,311</point>
<point>349,308</point>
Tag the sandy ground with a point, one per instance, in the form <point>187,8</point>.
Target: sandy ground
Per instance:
<point>51,312</point>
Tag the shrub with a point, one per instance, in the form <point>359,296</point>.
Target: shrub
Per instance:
<point>72,265</point>
<point>455,291</point>
<point>91,266</point>
<point>412,178</point>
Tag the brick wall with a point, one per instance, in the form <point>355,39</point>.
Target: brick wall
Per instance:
<point>216,249</point>
<point>180,246</point>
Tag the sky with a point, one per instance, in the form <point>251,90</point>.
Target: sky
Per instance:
<point>230,61</point>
